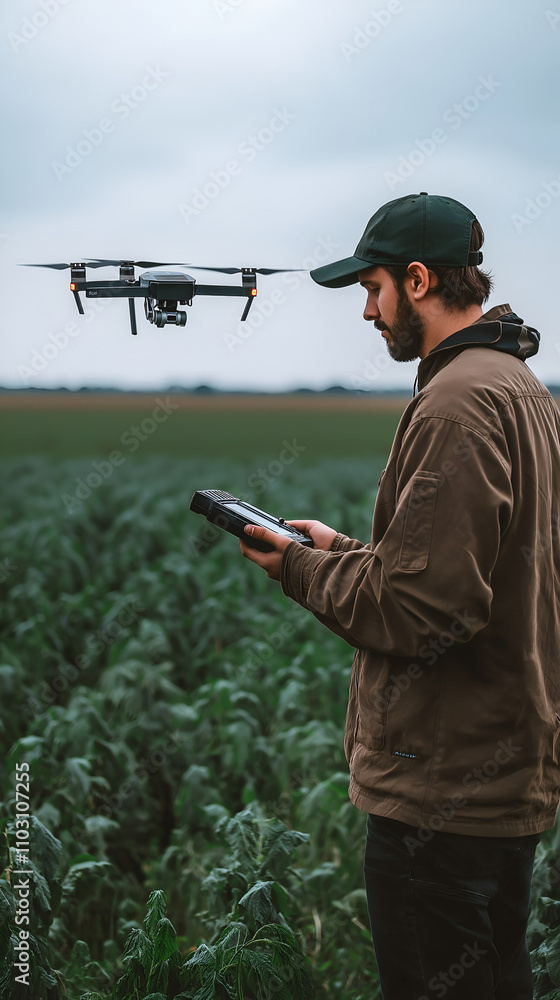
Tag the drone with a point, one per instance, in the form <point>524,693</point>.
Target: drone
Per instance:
<point>163,291</point>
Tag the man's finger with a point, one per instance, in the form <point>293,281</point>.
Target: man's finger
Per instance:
<point>263,534</point>
<point>278,542</point>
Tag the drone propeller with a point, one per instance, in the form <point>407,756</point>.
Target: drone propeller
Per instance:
<point>136,263</point>
<point>64,267</point>
<point>239,270</point>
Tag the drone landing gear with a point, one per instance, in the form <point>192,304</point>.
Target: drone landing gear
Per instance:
<point>247,307</point>
<point>132,311</point>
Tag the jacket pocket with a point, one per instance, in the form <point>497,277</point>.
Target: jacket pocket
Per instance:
<point>373,698</point>
<point>367,708</point>
<point>418,522</point>
<point>352,712</point>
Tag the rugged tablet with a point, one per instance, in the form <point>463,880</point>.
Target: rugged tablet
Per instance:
<point>232,514</point>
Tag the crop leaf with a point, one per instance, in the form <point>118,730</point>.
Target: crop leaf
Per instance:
<point>241,833</point>
<point>76,770</point>
<point>279,844</point>
<point>204,959</point>
<point>165,942</point>
<point>257,972</point>
<point>200,974</point>
<point>78,874</point>
<point>553,959</point>
<point>260,902</point>
<point>5,932</point>
<point>139,947</point>
<point>233,937</point>
<point>548,911</point>
<point>156,912</point>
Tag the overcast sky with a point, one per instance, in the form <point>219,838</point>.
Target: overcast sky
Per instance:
<point>265,133</point>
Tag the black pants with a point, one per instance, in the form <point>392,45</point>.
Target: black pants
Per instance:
<point>449,913</point>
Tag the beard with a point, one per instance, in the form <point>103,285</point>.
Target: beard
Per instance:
<point>407,331</point>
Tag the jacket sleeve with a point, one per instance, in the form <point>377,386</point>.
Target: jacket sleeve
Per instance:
<point>452,504</point>
<point>341,542</point>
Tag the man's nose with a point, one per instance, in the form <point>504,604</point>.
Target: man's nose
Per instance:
<point>371,311</point>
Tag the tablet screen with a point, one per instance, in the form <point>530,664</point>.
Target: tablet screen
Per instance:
<point>252,517</point>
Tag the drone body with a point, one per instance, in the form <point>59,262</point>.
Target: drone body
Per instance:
<point>163,291</point>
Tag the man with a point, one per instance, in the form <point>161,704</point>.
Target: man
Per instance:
<point>453,725</point>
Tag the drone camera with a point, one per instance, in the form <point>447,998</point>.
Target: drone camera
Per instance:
<point>162,317</point>
<point>163,313</point>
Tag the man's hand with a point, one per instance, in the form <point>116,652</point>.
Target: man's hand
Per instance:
<point>321,534</point>
<point>269,561</point>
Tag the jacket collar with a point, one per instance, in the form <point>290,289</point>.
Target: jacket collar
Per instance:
<point>499,329</point>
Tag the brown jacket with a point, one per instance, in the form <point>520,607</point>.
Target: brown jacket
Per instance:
<point>454,606</point>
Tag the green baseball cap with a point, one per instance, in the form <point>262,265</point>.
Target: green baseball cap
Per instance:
<point>426,227</point>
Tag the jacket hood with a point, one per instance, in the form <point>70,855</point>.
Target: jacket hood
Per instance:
<point>499,328</point>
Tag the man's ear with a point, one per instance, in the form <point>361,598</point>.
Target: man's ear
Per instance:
<point>421,280</point>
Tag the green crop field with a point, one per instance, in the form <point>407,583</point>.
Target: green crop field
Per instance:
<point>182,722</point>
<point>179,722</point>
<point>199,431</point>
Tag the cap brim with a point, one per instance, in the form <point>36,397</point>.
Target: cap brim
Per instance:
<point>340,272</point>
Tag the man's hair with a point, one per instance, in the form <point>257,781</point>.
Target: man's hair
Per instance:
<point>459,287</point>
